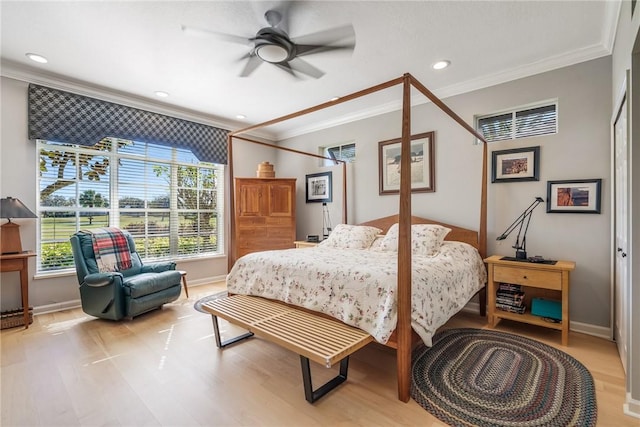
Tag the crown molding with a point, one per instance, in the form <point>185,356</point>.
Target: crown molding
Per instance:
<point>548,64</point>
<point>26,74</point>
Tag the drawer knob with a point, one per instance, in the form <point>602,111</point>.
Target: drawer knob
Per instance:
<point>524,277</point>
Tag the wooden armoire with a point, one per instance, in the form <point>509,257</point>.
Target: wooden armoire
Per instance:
<point>265,214</point>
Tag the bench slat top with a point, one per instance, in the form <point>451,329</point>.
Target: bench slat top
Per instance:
<point>322,340</point>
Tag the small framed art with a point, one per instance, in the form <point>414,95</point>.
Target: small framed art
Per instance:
<point>318,187</point>
<point>422,164</point>
<point>574,196</point>
<point>518,164</point>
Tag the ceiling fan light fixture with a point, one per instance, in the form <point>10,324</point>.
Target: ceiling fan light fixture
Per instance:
<point>439,65</point>
<point>272,53</point>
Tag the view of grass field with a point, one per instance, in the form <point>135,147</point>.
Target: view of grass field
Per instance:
<point>56,251</point>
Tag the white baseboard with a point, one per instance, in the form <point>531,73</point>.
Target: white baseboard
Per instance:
<point>631,407</point>
<point>68,305</point>
<point>588,329</point>
<point>206,280</point>
<point>59,306</point>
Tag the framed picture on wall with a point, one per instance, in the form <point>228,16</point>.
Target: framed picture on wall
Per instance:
<point>318,187</point>
<point>518,164</point>
<point>422,164</point>
<point>574,196</point>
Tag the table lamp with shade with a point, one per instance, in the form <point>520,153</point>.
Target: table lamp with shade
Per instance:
<point>10,242</point>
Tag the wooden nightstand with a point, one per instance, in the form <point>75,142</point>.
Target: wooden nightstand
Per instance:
<point>304,244</point>
<point>537,280</point>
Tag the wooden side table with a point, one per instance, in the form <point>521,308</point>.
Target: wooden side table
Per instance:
<point>304,244</point>
<point>538,280</point>
<point>19,262</point>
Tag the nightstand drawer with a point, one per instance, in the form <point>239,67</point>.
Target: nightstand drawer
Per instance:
<point>528,277</point>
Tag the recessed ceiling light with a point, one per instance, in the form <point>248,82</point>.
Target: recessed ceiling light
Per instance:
<point>240,116</point>
<point>161,94</point>
<point>37,58</point>
<point>441,64</point>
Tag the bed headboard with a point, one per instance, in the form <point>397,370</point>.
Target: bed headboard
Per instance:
<point>458,234</point>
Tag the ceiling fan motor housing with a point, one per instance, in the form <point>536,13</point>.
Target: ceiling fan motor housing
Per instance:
<point>273,45</point>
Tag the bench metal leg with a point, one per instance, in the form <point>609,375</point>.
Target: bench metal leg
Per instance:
<point>313,395</point>
<point>223,344</point>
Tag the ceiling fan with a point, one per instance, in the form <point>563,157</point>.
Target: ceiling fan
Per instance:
<point>272,44</point>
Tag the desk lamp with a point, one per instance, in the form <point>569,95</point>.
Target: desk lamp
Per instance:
<point>10,232</point>
<point>520,222</point>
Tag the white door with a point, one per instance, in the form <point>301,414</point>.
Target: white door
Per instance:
<point>621,206</point>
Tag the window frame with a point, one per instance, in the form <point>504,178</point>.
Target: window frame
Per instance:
<point>513,112</point>
<point>113,210</point>
<point>324,151</point>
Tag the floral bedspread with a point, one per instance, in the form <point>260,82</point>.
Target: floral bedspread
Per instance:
<point>358,286</point>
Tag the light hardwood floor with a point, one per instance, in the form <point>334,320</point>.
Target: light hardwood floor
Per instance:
<point>163,368</point>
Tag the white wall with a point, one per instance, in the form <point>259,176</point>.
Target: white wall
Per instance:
<point>579,150</point>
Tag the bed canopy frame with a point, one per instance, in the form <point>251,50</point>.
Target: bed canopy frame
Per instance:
<point>403,328</point>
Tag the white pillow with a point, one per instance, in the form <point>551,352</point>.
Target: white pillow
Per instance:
<point>426,239</point>
<point>346,236</point>
<point>390,240</point>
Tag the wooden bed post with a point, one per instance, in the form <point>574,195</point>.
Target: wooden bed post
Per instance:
<point>232,217</point>
<point>404,250</point>
<point>482,239</point>
<point>344,192</point>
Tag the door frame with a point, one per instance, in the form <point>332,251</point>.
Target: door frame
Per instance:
<point>621,97</point>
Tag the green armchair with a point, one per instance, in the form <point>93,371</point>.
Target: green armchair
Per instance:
<point>122,294</point>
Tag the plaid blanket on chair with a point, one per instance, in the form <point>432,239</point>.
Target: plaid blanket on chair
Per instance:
<point>111,249</point>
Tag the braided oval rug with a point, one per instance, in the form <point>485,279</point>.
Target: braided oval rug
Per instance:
<point>477,377</point>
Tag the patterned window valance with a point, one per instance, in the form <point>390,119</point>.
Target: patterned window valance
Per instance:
<point>55,115</point>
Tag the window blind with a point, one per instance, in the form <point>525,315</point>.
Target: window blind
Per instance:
<point>345,152</point>
<point>164,196</point>
<point>520,123</point>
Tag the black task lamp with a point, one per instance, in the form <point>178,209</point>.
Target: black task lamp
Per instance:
<point>10,232</point>
<point>520,222</point>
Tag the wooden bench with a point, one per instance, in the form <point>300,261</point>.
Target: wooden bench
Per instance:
<point>322,340</point>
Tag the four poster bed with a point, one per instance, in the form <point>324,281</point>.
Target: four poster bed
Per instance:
<point>404,318</point>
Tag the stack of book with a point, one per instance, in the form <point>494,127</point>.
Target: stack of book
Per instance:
<point>510,298</point>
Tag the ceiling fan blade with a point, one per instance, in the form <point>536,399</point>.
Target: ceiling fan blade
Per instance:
<point>327,37</point>
<point>301,66</point>
<point>308,49</point>
<point>286,67</point>
<point>200,32</point>
<point>253,62</point>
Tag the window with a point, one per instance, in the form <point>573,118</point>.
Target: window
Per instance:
<point>520,123</point>
<point>345,152</point>
<point>169,201</point>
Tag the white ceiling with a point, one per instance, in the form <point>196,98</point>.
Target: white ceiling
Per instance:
<point>137,48</point>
